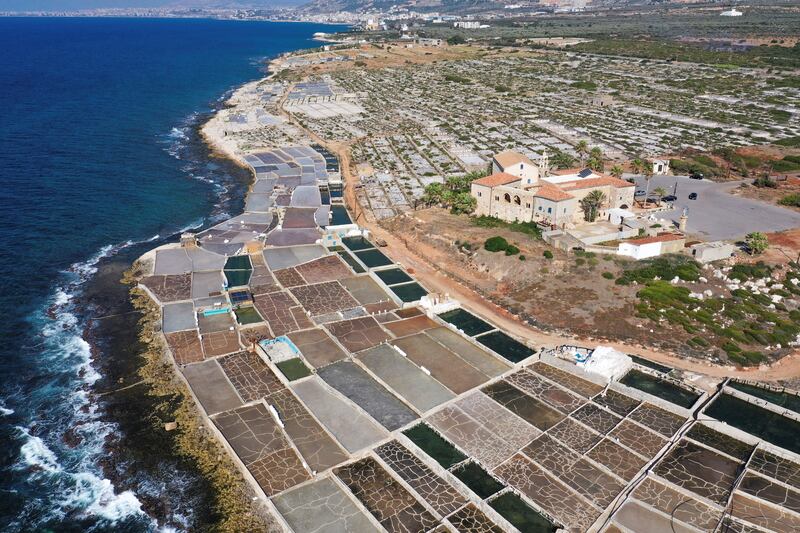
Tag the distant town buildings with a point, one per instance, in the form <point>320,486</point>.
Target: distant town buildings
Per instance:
<point>467,24</point>
<point>732,12</point>
<point>524,191</point>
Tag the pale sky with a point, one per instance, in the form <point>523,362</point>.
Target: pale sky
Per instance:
<point>70,5</point>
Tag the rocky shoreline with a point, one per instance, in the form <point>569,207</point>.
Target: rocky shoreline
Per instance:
<point>235,507</point>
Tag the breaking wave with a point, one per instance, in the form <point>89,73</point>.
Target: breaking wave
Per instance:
<point>65,473</point>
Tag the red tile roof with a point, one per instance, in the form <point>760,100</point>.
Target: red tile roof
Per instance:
<point>548,191</point>
<point>509,157</point>
<point>601,181</point>
<point>566,171</point>
<point>661,237</point>
<point>496,179</point>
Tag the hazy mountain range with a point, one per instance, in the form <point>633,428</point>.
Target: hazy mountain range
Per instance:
<point>307,6</point>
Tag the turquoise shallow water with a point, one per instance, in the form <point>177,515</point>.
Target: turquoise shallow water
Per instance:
<point>100,160</point>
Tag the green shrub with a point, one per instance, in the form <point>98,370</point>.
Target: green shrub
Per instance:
<point>585,85</point>
<point>791,200</point>
<point>528,228</point>
<point>743,272</point>
<point>495,244</point>
<point>765,182</point>
<point>547,254</point>
<point>699,341</point>
<point>731,348</point>
<point>785,165</point>
<point>664,267</point>
<point>457,79</point>
<point>512,250</point>
<point>580,261</point>
<point>705,161</point>
<point>746,358</point>
<point>522,258</point>
<point>608,275</point>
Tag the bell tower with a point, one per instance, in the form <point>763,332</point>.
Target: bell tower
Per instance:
<point>544,164</point>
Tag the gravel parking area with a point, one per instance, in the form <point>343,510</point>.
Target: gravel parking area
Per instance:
<point>717,214</point>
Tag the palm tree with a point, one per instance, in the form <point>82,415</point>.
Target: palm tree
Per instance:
<point>595,161</point>
<point>647,171</point>
<point>434,194</point>
<point>661,192</point>
<point>562,159</point>
<point>591,204</point>
<point>637,165</point>
<point>616,171</point>
<point>582,148</point>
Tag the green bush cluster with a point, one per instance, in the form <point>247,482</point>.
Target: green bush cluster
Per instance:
<point>665,267</point>
<point>528,228</point>
<point>499,244</point>
<point>787,164</point>
<point>457,79</point>
<point>743,272</point>
<point>791,200</point>
<point>789,141</point>
<point>585,85</point>
<point>690,166</point>
<point>750,322</point>
<point>776,56</point>
<point>765,182</point>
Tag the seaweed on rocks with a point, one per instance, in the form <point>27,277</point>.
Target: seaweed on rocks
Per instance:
<point>235,507</point>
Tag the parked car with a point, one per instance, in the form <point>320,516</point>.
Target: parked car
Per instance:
<point>640,192</point>
<point>696,176</point>
<point>670,198</point>
<point>693,196</point>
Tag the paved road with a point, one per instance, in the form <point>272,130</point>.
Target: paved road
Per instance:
<point>717,214</point>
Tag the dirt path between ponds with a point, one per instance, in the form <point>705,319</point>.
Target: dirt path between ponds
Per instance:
<point>427,271</point>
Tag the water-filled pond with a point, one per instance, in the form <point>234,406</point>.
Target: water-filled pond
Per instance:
<point>357,243</point>
<point>521,515</point>
<point>660,388</point>
<point>757,421</point>
<point>434,445</point>
<point>477,479</point>
<point>339,215</point>
<point>373,258</point>
<point>506,346</point>
<point>392,276</point>
<point>466,322</point>
<point>783,399</point>
<point>409,292</point>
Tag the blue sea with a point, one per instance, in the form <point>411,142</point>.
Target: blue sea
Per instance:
<point>100,160</point>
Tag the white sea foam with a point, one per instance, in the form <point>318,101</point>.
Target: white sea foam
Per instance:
<point>35,454</point>
<point>83,491</point>
<point>86,268</point>
<point>72,475</point>
<point>96,497</point>
<point>5,411</point>
<point>61,297</point>
<point>197,224</point>
<point>178,133</point>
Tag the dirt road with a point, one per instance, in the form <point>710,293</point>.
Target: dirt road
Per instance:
<point>438,281</point>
